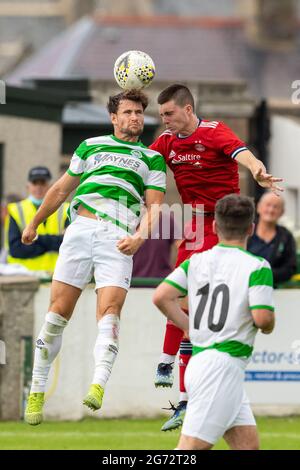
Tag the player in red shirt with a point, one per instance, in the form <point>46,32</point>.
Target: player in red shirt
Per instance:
<point>203,157</point>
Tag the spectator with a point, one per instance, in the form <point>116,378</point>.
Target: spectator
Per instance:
<point>4,220</point>
<point>272,241</point>
<point>42,254</point>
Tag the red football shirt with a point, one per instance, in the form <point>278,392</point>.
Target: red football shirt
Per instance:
<point>203,163</point>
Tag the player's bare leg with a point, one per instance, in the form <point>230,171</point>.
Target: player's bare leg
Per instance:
<point>110,301</point>
<point>63,299</point>
<point>62,303</point>
<point>242,438</point>
<point>192,443</point>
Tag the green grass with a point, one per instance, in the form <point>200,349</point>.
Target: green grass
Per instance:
<point>275,433</point>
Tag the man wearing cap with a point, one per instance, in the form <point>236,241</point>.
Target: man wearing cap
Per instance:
<point>42,254</point>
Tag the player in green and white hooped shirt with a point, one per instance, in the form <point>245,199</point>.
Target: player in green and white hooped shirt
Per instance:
<point>230,295</point>
<point>113,175</point>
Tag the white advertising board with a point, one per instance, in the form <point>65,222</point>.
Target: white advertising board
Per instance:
<point>272,377</point>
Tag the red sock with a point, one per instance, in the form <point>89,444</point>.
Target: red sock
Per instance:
<point>184,357</point>
<point>173,337</point>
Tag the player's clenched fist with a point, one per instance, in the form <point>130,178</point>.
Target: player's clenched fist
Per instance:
<point>29,235</point>
<point>129,245</point>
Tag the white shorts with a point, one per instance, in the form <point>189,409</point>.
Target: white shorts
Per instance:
<point>217,400</point>
<point>90,248</point>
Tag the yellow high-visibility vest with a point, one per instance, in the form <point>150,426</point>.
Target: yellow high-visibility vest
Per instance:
<point>23,212</point>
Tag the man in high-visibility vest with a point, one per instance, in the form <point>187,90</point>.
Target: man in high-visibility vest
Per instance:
<point>11,197</point>
<point>43,253</point>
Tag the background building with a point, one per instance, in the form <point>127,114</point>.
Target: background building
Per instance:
<point>27,25</point>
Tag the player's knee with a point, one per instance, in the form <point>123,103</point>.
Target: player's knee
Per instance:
<point>54,307</point>
<point>192,443</point>
<point>253,445</point>
<point>112,308</point>
<point>249,444</point>
<point>59,307</point>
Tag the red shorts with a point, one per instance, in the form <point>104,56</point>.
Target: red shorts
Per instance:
<point>188,246</point>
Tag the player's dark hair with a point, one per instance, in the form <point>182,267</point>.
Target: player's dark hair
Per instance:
<point>132,95</point>
<point>180,94</point>
<point>234,215</point>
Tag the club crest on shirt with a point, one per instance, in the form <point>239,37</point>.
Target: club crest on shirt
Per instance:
<point>136,153</point>
<point>200,147</point>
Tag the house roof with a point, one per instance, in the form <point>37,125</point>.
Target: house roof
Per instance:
<point>190,49</point>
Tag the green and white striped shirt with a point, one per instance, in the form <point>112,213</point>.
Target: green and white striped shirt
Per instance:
<point>224,284</point>
<point>114,175</point>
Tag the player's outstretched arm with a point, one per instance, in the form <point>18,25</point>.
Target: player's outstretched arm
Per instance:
<point>264,320</point>
<point>166,299</point>
<point>259,172</point>
<point>55,196</point>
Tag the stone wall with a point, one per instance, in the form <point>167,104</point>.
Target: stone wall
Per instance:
<point>16,330</point>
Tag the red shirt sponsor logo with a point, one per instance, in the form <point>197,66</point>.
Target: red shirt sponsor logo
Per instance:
<point>191,158</point>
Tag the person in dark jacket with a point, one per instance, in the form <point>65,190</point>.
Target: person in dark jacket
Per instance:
<point>272,241</point>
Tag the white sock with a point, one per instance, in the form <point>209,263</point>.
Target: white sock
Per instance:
<point>48,345</point>
<point>183,396</point>
<point>106,348</point>
<point>166,358</point>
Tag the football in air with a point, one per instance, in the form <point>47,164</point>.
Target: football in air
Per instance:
<point>134,70</point>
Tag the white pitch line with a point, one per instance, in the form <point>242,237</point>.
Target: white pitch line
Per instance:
<point>280,434</point>
<point>79,434</point>
<point>107,434</point>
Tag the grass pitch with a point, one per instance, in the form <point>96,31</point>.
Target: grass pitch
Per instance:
<point>119,434</point>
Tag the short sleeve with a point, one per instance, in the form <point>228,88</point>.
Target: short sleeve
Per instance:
<point>159,145</point>
<point>179,277</point>
<point>261,287</point>
<point>226,141</point>
<point>77,163</point>
<point>157,173</point>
